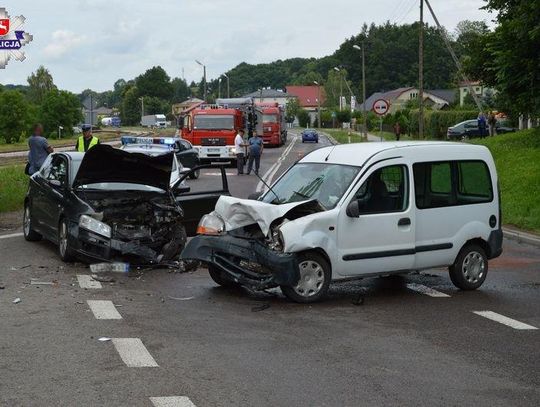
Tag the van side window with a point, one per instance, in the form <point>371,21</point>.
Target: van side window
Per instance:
<point>449,183</point>
<point>384,191</point>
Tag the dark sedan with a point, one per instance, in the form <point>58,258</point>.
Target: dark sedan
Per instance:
<point>109,204</point>
<point>470,129</point>
<point>310,135</point>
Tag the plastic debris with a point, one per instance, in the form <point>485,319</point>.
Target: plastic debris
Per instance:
<point>21,267</point>
<point>104,339</point>
<point>16,300</point>
<point>181,298</point>
<point>110,267</point>
<point>42,282</point>
<point>103,279</point>
<point>261,307</point>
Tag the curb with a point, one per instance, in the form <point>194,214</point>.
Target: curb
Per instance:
<point>521,237</point>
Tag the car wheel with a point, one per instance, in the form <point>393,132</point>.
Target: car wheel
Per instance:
<point>195,174</point>
<point>470,268</point>
<point>64,247</point>
<point>220,278</point>
<point>29,233</point>
<point>315,276</point>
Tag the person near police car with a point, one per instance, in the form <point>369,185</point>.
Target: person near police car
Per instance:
<point>256,147</point>
<point>38,150</point>
<point>240,145</point>
<point>87,140</point>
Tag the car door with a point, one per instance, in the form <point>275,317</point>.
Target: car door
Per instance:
<point>57,179</point>
<point>38,186</point>
<point>382,237</point>
<point>201,198</point>
<point>186,154</point>
<point>471,129</point>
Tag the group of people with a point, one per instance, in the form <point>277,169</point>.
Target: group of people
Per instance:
<point>487,123</point>
<point>255,145</point>
<point>39,148</point>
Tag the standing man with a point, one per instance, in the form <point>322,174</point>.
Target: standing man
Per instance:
<point>482,124</point>
<point>39,149</point>
<point>397,130</point>
<point>492,123</point>
<point>87,140</point>
<point>256,147</point>
<point>240,156</point>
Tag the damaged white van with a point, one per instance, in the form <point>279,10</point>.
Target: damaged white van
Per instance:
<point>359,210</point>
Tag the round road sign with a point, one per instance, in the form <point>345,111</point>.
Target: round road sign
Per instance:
<point>380,107</point>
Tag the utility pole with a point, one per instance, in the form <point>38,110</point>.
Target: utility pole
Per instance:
<point>204,77</point>
<point>318,104</point>
<point>219,88</point>
<point>364,111</point>
<point>340,87</point>
<point>142,106</point>
<point>228,87</point>
<point>421,73</point>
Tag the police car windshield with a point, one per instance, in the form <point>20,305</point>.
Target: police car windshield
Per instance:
<point>214,122</point>
<point>324,182</point>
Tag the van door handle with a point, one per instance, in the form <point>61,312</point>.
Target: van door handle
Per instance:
<point>404,222</point>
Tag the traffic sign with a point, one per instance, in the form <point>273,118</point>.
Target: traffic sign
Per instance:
<point>380,107</point>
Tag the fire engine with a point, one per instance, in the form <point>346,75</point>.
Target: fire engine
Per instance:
<point>211,128</point>
<point>273,123</point>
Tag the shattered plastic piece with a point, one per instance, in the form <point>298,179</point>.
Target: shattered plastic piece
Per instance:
<point>103,279</point>
<point>42,282</point>
<point>181,298</point>
<point>104,339</point>
<point>16,300</point>
<point>21,267</point>
<point>261,307</point>
<point>109,267</point>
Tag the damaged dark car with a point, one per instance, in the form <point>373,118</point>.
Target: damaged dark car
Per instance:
<point>112,205</point>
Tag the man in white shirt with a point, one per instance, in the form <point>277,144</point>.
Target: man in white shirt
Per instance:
<point>240,156</point>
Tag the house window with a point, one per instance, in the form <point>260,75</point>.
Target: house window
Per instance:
<point>477,89</point>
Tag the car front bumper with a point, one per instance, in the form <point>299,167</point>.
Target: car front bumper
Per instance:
<point>235,256</point>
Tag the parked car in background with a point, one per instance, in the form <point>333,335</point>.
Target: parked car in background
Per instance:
<point>310,135</point>
<point>154,121</point>
<point>469,129</point>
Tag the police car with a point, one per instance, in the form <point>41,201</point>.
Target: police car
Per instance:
<point>183,150</point>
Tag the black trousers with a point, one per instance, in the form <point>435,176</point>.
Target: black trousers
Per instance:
<point>240,163</point>
<point>257,159</point>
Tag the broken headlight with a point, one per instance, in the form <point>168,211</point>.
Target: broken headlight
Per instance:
<point>211,224</point>
<point>93,225</point>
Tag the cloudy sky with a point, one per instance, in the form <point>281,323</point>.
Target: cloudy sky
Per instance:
<point>92,43</point>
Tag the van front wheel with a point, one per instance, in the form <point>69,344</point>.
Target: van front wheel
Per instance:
<point>315,276</point>
<point>470,268</point>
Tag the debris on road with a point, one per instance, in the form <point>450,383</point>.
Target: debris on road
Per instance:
<point>16,300</point>
<point>261,307</point>
<point>2,286</point>
<point>359,300</point>
<point>104,339</point>
<point>32,282</point>
<point>103,279</point>
<point>13,268</point>
<point>116,267</point>
<point>181,298</point>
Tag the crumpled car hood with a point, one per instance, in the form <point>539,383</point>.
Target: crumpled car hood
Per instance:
<point>238,213</point>
<point>104,163</point>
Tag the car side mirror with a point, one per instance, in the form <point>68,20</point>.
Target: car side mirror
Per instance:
<point>55,183</point>
<point>353,209</point>
<point>255,195</point>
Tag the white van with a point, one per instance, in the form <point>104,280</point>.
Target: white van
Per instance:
<point>359,210</point>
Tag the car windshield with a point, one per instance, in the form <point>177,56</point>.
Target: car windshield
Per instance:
<point>214,122</point>
<point>324,182</point>
<point>269,118</point>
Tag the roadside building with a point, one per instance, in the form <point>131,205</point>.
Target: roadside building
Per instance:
<point>308,98</point>
<point>478,88</point>
<point>270,96</point>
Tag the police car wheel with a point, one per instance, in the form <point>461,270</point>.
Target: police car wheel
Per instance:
<point>195,174</point>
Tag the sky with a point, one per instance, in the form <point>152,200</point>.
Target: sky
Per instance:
<point>92,43</point>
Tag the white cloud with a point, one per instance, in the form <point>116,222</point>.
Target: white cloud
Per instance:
<point>61,42</point>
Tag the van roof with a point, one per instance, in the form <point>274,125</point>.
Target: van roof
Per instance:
<point>358,153</point>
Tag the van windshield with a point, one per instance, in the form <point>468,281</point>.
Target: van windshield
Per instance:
<point>324,182</point>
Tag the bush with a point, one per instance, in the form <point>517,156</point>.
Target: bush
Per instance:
<point>436,122</point>
<point>303,118</point>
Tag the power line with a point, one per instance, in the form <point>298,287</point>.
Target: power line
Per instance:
<point>413,3</point>
<point>397,11</point>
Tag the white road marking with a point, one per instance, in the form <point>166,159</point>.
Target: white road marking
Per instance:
<point>19,234</point>
<point>426,290</point>
<point>269,175</point>
<point>133,352</point>
<point>86,281</point>
<point>216,174</point>
<point>172,401</point>
<point>104,309</point>
<point>512,323</point>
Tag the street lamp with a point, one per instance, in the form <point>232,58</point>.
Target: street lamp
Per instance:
<point>142,106</point>
<point>318,103</point>
<point>204,77</point>
<point>340,87</point>
<point>361,48</point>
<point>219,88</point>
<point>228,87</point>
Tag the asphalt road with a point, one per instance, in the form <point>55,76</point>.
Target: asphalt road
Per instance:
<point>179,340</point>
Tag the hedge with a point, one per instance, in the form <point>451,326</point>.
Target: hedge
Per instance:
<point>436,122</point>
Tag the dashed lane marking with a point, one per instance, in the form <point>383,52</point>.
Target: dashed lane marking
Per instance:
<point>104,309</point>
<point>512,323</point>
<point>269,175</point>
<point>86,281</point>
<point>19,234</point>
<point>133,352</point>
<point>426,290</point>
<point>172,401</point>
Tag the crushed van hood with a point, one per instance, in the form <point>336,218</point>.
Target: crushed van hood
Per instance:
<point>104,163</point>
<point>238,213</point>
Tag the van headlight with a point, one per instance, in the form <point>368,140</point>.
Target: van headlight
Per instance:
<point>211,224</point>
<point>93,225</point>
<point>232,150</point>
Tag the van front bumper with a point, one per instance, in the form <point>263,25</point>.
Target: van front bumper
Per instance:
<point>246,261</point>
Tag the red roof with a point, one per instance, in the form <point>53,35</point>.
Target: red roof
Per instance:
<point>307,95</point>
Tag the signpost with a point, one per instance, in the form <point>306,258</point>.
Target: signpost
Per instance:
<point>380,107</point>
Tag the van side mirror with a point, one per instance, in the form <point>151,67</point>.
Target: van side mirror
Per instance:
<point>353,209</point>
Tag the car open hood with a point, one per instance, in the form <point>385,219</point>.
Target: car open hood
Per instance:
<point>238,212</point>
<point>104,163</point>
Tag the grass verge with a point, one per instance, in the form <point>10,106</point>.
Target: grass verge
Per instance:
<point>517,157</point>
<point>13,186</point>
<point>342,136</point>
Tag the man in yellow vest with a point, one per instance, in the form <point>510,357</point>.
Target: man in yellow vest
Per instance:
<point>87,140</point>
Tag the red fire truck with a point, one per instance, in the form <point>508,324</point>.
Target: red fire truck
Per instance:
<point>273,123</point>
<point>212,128</point>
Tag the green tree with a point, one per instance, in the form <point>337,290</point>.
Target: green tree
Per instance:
<point>291,109</point>
<point>303,118</point>
<point>130,110</point>
<point>155,83</point>
<point>14,114</point>
<point>40,83</point>
<point>60,108</point>
<point>181,90</point>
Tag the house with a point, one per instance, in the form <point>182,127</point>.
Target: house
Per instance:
<point>270,96</point>
<point>308,98</point>
<point>397,98</point>
<point>477,87</point>
<point>179,109</point>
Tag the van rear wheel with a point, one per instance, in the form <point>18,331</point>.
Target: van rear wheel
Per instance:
<point>315,276</point>
<point>470,268</point>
